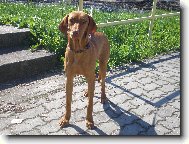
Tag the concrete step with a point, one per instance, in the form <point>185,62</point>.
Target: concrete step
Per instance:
<point>13,37</point>
<point>24,63</point>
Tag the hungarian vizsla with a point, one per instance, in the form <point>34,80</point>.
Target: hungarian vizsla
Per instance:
<point>84,47</point>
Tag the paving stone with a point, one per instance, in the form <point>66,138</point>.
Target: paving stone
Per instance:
<point>38,102</point>
<point>175,131</point>
<point>157,73</point>
<point>121,80</point>
<point>99,107</point>
<point>80,126</point>
<point>126,119</point>
<point>167,88</point>
<point>146,80</point>
<point>149,120</point>
<point>71,130</point>
<point>161,82</point>
<point>143,110</point>
<point>27,125</point>
<point>172,74</point>
<point>5,122</point>
<point>108,127</point>
<point>54,114</point>
<point>162,70</point>
<point>146,121</point>
<point>160,130</point>
<point>6,114</point>
<point>125,79</point>
<point>127,106</point>
<point>170,80</point>
<point>175,71</point>
<point>113,112</point>
<point>54,104</point>
<point>140,74</point>
<point>166,111</point>
<point>49,127</point>
<point>57,96</point>
<point>150,87</point>
<point>31,113</point>
<point>171,122</point>
<point>116,90</point>
<point>79,104</point>
<point>101,117</point>
<point>175,104</point>
<point>132,85</point>
<point>78,93</point>
<point>155,94</point>
<point>116,132</point>
<point>133,129</point>
<point>137,91</point>
<point>137,101</point>
<point>177,114</point>
<point>79,115</point>
<point>120,98</point>
<point>176,78</point>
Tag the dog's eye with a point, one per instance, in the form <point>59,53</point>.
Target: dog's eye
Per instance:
<point>83,21</point>
<point>72,20</point>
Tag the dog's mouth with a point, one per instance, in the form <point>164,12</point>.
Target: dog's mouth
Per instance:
<point>74,35</point>
<point>77,39</point>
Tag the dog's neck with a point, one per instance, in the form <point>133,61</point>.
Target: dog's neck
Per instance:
<point>78,46</point>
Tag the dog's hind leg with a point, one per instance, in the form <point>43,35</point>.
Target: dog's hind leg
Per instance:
<point>102,74</point>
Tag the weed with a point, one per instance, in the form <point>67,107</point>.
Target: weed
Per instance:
<point>128,42</point>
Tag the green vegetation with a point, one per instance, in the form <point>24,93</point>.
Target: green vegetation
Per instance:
<point>128,42</point>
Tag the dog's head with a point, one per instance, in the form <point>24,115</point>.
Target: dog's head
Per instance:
<point>77,25</point>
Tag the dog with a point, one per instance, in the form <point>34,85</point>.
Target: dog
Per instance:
<point>85,46</point>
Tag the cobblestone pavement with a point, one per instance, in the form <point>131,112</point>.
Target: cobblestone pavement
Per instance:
<point>143,99</point>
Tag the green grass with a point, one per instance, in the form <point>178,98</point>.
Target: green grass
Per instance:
<point>128,42</point>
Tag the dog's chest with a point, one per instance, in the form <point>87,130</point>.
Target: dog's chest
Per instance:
<point>76,63</point>
<point>80,63</point>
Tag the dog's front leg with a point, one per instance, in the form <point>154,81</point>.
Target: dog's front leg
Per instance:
<point>91,86</point>
<point>69,88</point>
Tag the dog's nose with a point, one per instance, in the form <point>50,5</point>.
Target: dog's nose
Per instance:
<point>75,33</point>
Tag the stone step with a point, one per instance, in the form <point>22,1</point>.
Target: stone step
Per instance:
<point>24,63</point>
<point>13,37</point>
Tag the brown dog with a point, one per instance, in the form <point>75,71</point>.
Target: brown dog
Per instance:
<point>85,46</point>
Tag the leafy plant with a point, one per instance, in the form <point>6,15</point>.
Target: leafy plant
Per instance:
<point>128,42</point>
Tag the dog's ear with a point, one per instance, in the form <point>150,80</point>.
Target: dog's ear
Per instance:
<point>92,26</point>
<point>63,26</point>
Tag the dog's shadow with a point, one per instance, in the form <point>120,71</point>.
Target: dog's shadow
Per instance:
<point>129,123</point>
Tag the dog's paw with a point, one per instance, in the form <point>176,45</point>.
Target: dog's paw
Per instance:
<point>89,125</point>
<point>63,122</point>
